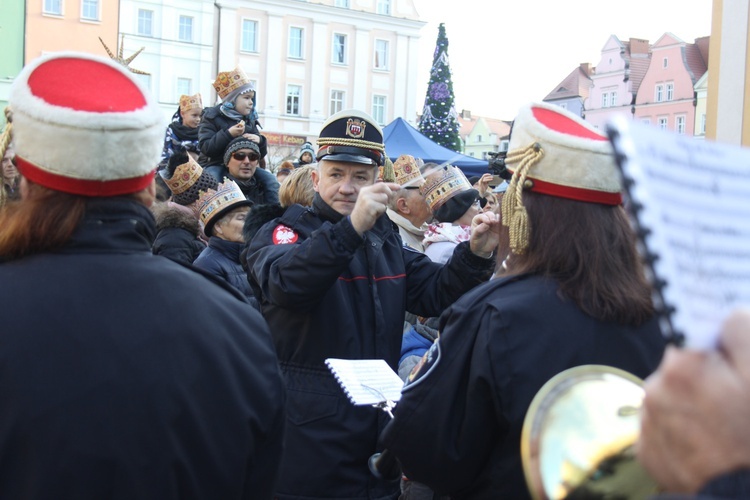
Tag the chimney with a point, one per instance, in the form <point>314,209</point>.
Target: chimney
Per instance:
<point>638,46</point>
<point>586,68</point>
<point>466,114</point>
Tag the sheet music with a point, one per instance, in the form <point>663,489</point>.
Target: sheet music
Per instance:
<point>366,381</point>
<point>695,198</point>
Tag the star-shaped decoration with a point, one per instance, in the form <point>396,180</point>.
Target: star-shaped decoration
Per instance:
<point>122,60</point>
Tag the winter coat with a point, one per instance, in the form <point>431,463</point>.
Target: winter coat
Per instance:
<point>262,187</point>
<point>178,234</point>
<point>327,292</point>
<point>214,136</point>
<point>458,425</point>
<point>129,376</point>
<point>222,258</point>
<point>178,138</point>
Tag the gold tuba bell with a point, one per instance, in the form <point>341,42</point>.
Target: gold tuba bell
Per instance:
<point>579,435</point>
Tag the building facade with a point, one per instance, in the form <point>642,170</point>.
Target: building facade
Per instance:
<point>573,91</point>
<point>728,99</point>
<point>481,135</point>
<point>615,82</point>
<point>666,97</point>
<point>12,30</point>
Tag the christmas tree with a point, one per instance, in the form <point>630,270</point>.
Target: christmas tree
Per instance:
<point>439,118</point>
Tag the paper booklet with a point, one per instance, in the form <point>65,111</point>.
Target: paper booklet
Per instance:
<point>366,381</point>
<point>689,200</point>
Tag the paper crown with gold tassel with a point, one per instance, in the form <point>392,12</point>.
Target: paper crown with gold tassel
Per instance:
<point>229,82</point>
<point>443,184</point>
<point>188,102</point>
<point>555,153</point>
<point>214,204</point>
<point>406,171</point>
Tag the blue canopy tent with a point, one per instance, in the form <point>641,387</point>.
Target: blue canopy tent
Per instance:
<point>402,139</point>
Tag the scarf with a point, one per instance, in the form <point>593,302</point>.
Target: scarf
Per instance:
<point>446,231</point>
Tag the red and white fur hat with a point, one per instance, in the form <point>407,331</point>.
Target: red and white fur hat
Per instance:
<point>555,153</point>
<point>83,125</point>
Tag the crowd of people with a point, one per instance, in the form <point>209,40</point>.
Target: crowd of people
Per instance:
<point>174,302</point>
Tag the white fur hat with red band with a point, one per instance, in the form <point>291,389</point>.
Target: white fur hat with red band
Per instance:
<point>83,125</point>
<point>575,160</point>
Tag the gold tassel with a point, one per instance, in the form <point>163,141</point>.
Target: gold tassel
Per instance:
<point>514,213</point>
<point>389,175</point>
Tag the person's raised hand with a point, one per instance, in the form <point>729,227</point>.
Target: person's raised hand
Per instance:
<point>485,234</point>
<point>238,129</point>
<point>371,204</point>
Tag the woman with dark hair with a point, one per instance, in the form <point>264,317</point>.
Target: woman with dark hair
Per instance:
<point>572,292</point>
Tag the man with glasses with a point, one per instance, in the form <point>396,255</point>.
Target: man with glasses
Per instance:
<point>241,165</point>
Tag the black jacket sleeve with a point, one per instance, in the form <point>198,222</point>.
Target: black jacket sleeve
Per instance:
<point>213,136</point>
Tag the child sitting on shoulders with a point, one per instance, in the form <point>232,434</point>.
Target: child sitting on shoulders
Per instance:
<point>235,116</point>
<point>182,132</point>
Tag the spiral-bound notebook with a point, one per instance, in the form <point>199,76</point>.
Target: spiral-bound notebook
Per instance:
<point>689,200</point>
<point>366,381</point>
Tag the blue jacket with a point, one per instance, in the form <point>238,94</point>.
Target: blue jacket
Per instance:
<point>222,258</point>
<point>327,292</point>
<point>124,375</point>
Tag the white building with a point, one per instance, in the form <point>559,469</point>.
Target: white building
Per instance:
<point>309,59</point>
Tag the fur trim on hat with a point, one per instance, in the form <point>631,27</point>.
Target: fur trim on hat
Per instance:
<point>85,145</point>
<point>172,215</point>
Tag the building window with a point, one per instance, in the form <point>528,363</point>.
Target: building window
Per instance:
<point>292,99</point>
<point>665,62</point>
<point>646,121</point>
<point>295,42</point>
<point>90,10</point>
<point>703,123</point>
<point>144,79</point>
<point>249,42</point>
<point>184,86</point>
<point>53,7</point>
<point>670,91</point>
<point>478,138</point>
<point>337,101</point>
<point>186,29</point>
<point>680,124</point>
<point>378,109</point>
<point>605,99</point>
<point>659,93</point>
<point>342,3</point>
<point>384,7</point>
<point>145,22</point>
<point>663,123</point>
<point>339,48</point>
<point>613,98</point>
<point>381,54</point>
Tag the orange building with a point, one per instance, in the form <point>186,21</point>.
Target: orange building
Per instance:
<point>58,25</point>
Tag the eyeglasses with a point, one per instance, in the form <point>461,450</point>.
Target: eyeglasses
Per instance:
<point>241,156</point>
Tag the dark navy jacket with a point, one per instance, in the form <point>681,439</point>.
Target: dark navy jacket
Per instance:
<point>261,188</point>
<point>214,136</point>
<point>124,375</point>
<point>222,258</point>
<point>327,292</point>
<point>457,429</point>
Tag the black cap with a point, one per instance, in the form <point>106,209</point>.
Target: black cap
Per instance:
<point>351,136</point>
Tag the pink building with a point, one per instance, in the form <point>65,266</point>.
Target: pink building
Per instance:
<point>666,97</point>
<point>616,80</point>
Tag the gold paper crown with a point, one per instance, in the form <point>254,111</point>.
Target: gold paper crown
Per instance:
<point>212,204</point>
<point>184,176</point>
<point>441,185</point>
<point>406,170</point>
<point>188,102</point>
<point>229,81</point>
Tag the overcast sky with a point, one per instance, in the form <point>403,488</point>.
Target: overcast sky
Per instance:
<point>504,53</point>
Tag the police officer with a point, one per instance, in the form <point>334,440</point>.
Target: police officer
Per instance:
<point>334,281</point>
